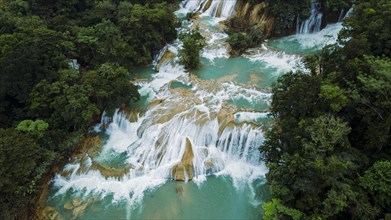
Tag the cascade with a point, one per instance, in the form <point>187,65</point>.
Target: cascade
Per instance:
<point>213,8</point>
<point>341,15</point>
<point>207,133</point>
<point>313,23</point>
<point>159,55</point>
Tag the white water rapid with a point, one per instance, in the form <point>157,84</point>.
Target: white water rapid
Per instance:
<point>185,134</point>
<point>204,127</point>
<point>212,8</point>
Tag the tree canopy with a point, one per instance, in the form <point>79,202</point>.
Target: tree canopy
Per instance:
<point>328,152</point>
<point>63,63</point>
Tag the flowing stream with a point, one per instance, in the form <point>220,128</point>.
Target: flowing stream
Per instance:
<point>202,128</point>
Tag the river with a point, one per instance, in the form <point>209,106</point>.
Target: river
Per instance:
<point>202,127</point>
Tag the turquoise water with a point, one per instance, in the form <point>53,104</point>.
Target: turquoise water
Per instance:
<point>177,84</point>
<point>236,189</point>
<point>216,198</point>
<point>243,104</point>
<point>143,73</point>
<point>240,66</point>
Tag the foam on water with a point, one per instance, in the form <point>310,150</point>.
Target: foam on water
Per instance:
<point>216,47</point>
<point>250,116</point>
<point>153,149</point>
<point>156,141</point>
<point>326,36</point>
<point>278,60</point>
<point>166,74</point>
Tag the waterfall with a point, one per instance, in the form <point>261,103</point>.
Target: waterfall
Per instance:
<point>159,55</point>
<point>313,23</point>
<point>221,8</point>
<point>156,146</point>
<point>182,134</point>
<point>348,13</point>
<point>341,15</point>
<point>213,8</point>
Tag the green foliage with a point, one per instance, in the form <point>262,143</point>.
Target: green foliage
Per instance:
<point>104,43</point>
<point>377,179</point>
<point>286,14</point>
<point>369,30</point>
<point>335,95</point>
<point>328,152</point>
<point>242,35</point>
<point>274,210</point>
<point>94,32</point>
<point>112,87</point>
<point>334,5</point>
<point>37,40</point>
<point>193,42</point>
<point>239,42</point>
<point>42,53</point>
<point>36,128</point>
<point>20,158</point>
<point>126,33</point>
<point>76,99</point>
<point>22,163</point>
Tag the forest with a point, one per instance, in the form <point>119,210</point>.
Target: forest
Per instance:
<point>329,151</point>
<point>46,103</point>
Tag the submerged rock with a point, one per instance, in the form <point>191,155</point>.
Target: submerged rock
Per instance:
<point>81,206</point>
<point>179,190</point>
<point>76,202</point>
<point>68,206</point>
<point>50,213</point>
<point>92,145</point>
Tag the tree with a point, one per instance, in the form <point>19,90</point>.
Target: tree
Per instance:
<point>36,128</point>
<point>77,98</point>
<point>65,102</point>
<point>368,33</point>
<point>328,152</point>
<point>239,42</point>
<point>104,43</point>
<point>274,210</point>
<point>22,163</point>
<point>377,179</point>
<point>193,43</point>
<point>41,51</point>
<point>112,87</point>
<point>243,34</point>
<point>315,176</point>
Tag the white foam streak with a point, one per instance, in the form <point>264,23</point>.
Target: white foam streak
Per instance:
<point>281,61</point>
<point>250,116</point>
<point>218,8</point>
<point>166,74</point>
<point>326,36</point>
<point>155,142</point>
<point>221,8</point>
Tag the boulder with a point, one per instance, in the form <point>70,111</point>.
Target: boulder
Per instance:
<point>184,168</point>
<point>68,206</point>
<point>167,57</point>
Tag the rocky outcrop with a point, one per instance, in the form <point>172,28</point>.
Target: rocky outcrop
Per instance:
<point>256,14</point>
<point>184,170</point>
<point>167,57</point>
<point>108,172</point>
